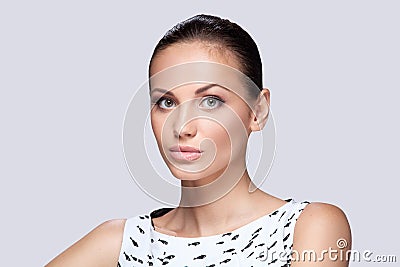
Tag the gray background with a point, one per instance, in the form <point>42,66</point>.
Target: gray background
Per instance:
<point>69,69</point>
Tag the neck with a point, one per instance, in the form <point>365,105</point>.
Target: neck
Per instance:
<point>224,214</point>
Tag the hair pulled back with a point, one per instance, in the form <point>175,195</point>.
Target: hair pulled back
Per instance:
<point>220,32</point>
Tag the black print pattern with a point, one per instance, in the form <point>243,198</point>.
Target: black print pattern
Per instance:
<point>249,245</point>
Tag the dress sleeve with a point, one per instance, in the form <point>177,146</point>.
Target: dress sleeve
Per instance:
<point>134,242</point>
<point>289,226</point>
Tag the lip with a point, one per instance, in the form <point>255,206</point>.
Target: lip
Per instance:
<point>177,148</point>
<point>185,153</point>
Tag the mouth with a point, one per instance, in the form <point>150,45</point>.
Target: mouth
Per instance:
<point>185,153</point>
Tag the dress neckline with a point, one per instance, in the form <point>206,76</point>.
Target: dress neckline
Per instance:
<point>162,211</point>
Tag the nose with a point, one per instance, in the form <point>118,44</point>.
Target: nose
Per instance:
<point>188,130</point>
<point>184,126</point>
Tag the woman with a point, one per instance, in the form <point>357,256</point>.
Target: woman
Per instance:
<point>201,131</point>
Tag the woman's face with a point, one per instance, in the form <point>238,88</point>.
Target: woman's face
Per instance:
<point>193,123</point>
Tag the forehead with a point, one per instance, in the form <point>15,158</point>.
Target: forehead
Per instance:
<point>191,89</point>
<point>181,53</point>
<point>203,73</point>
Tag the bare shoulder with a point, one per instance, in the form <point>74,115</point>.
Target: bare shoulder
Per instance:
<point>100,247</point>
<point>322,227</point>
<point>319,216</point>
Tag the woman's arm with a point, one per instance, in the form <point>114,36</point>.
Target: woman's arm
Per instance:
<point>322,237</point>
<point>99,248</point>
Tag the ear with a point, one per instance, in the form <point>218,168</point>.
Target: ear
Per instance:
<point>260,112</point>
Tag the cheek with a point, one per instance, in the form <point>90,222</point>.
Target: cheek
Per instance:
<point>157,123</point>
<point>244,113</point>
<point>217,134</point>
<point>234,139</point>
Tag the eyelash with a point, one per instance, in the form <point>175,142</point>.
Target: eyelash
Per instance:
<point>157,103</point>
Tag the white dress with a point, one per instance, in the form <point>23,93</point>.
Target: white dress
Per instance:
<point>266,241</point>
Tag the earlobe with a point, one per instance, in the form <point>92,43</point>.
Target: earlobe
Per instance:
<point>261,110</point>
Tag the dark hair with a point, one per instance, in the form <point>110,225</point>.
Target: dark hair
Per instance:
<point>216,30</point>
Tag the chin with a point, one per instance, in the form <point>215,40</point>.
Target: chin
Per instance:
<point>207,175</point>
<point>186,175</point>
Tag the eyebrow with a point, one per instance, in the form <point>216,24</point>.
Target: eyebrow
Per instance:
<point>197,92</point>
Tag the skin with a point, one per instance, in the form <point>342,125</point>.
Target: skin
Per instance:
<point>319,226</point>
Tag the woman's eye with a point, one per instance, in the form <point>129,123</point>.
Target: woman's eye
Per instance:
<point>211,102</point>
<point>165,103</point>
